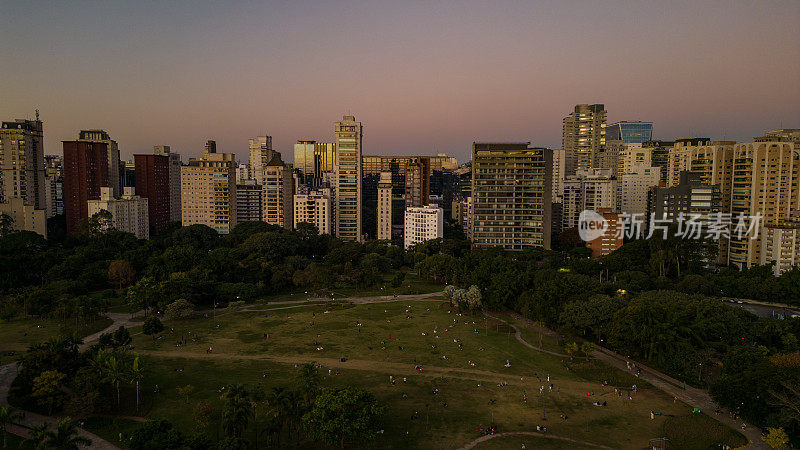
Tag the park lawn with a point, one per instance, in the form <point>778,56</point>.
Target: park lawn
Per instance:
<point>412,284</point>
<point>699,431</point>
<point>18,334</point>
<point>536,335</point>
<point>531,442</point>
<point>242,354</point>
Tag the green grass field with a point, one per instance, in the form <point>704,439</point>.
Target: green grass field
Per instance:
<point>390,341</point>
<point>16,335</point>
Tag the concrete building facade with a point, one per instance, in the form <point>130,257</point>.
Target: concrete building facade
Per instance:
<point>129,212</point>
<point>174,180</point>
<point>85,172</point>
<point>347,179</point>
<point>22,165</point>
<point>422,224</point>
<point>584,134</point>
<point>511,195</point>
<point>765,181</point>
<point>385,207</point>
<point>314,208</point>
<point>249,204</point>
<point>208,192</point>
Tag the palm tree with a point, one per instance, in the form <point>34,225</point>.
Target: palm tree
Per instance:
<point>37,436</point>
<point>7,417</point>
<point>278,409</point>
<point>256,396</point>
<point>236,416</point>
<point>115,373</point>
<point>65,436</point>
<point>137,373</point>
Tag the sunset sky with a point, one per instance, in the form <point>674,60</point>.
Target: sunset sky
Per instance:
<point>423,77</point>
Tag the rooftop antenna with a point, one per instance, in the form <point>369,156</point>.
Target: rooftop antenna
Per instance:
<point>37,114</point>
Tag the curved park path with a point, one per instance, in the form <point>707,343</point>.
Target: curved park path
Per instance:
<point>530,433</point>
<point>697,398</point>
<point>9,371</point>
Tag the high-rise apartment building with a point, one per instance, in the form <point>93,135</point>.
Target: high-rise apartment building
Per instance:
<point>129,212</point>
<point>422,224</point>
<point>711,160</point>
<point>101,136</point>
<point>785,134</point>
<point>174,181</point>
<point>314,208</point>
<point>632,189</point>
<point>630,132</point>
<point>85,172</point>
<point>592,190</point>
<point>249,202</point>
<point>765,182</point>
<point>385,207</point>
<point>659,156</point>
<point>25,217</point>
<point>304,161</point>
<point>152,175</point>
<point>243,173</point>
<point>584,134</point>
<point>690,197</point>
<point>347,179</point>
<point>260,154</point>
<point>511,195</point>
<point>780,244</point>
<point>562,165</point>
<point>211,147</point>
<point>54,176</point>
<point>418,177</point>
<point>611,239</point>
<point>462,214</point>
<point>208,192</point>
<point>22,167</point>
<point>277,192</point>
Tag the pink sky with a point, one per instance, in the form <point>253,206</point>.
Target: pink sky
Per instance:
<point>423,77</point>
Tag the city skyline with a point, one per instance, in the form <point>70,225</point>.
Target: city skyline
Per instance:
<point>454,73</point>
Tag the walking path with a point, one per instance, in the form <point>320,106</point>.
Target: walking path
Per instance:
<point>697,398</point>
<point>9,371</point>
<point>530,433</point>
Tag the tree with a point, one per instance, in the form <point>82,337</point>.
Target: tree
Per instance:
<point>473,297</point>
<point>143,294</point>
<point>121,273</point>
<point>65,436</point>
<point>115,372</point>
<point>47,389</point>
<point>136,375</point>
<point>775,437</point>
<point>587,348</point>
<point>343,414</point>
<point>236,416</point>
<point>99,223</point>
<point>37,436</point>
<point>7,417</point>
<point>572,348</point>
<point>152,325</point>
<point>156,435</point>
<point>6,225</point>
<point>178,310</point>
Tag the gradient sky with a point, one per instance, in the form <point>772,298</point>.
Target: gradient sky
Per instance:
<point>423,77</point>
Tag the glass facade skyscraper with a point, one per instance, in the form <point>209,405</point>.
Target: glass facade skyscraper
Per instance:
<point>630,132</point>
